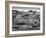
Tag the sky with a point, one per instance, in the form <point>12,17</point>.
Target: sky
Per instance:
<point>25,9</point>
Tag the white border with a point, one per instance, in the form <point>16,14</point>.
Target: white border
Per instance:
<point>31,31</point>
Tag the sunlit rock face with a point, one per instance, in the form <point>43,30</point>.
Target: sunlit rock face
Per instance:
<point>26,21</point>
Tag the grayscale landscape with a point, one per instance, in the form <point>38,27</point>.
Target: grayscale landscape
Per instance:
<point>25,19</point>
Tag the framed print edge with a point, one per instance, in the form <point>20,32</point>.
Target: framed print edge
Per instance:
<point>7,3</point>
<point>6,19</point>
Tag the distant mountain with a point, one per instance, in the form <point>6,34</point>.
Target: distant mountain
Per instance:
<point>30,11</point>
<point>16,11</point>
